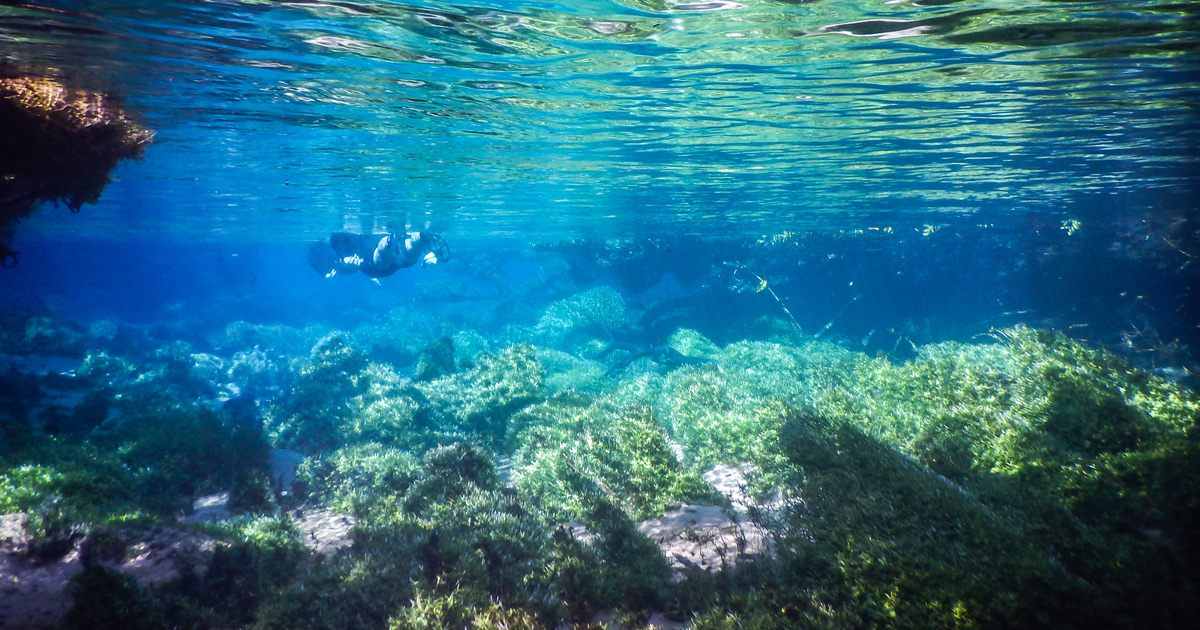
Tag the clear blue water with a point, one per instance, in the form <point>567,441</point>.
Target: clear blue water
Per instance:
<point>684,233</point>
<point>509,125</point>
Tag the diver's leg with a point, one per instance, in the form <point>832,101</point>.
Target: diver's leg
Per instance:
<point>322,258</point>
<point>344,244</point>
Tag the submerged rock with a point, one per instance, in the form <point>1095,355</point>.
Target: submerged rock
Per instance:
<point>282,464</point>
<point>32,595</point>
<point>706,538</point>
<point>35,595</point>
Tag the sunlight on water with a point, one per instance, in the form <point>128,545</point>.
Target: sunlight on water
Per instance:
<point>711,314</point>
<point>598,117</point>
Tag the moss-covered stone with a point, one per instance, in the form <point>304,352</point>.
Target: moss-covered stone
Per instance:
<point>435,360</point>
<point>480,401</point>
<point>594,313</point>
<point>620,450</point>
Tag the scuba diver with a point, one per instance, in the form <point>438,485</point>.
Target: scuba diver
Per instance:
<point>376,255</point>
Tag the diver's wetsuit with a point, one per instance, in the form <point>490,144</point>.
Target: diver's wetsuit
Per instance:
<point>361,249</point>
<point>346,244</point>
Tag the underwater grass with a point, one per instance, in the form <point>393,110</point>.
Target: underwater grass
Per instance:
<point>1027,481</point>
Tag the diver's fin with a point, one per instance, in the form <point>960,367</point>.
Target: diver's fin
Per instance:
<point>321,257</point>
<point>344,243</point>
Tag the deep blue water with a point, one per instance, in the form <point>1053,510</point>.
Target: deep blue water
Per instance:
<point>961,164</point>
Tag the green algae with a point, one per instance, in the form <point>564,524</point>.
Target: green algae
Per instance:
<point>480,401</point>
<point>1025,481</point>
<point>575,321</point>
<point>355,478</point>
<point>623,452</point>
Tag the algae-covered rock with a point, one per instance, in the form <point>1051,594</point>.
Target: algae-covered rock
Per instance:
<point>620,450</point>
<point>310,417</point>
<point>481,400</point>
<point>595,313</point>
<point>59,144</point>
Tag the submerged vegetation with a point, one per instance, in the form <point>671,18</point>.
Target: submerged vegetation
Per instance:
<point>1025,480</point>
<point>60,143</point>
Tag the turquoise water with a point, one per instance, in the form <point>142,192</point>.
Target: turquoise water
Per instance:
<point>907,289</point>
<point>542,120</point>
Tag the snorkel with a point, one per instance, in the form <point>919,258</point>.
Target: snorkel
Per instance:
<point>438,251</point>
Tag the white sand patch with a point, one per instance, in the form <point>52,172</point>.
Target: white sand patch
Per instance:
<point>208,509</point>
<point>324,531</point>
<point>709,537</point>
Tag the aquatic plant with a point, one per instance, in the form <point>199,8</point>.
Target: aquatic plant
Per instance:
<point>344,593</point>
<point>633,574</point>
<point>20,394</point>
<point>465,530</point>
<point>309,418</point>
<point>53,530</point>
<point>261,556</point>
<point>107,598</point>
<point>620,449</point>
<point>909,548</point>
<point>693,344</point>
<point>76,479</point>
<point>45,334</point>
<point>253,371</point>
<point>468,345</point>
<point>721,414</point>
<point>1024,482</point>
<point>390,410</point>
<point>459,610</point>
<point>180,452</point>
<point>435,360</point>
<point>565,372</point>
<point>356,478</point>
<point>480,401</point>
<point>100,369</point>
<point>1082,452</point>
<point>1038,408</point>
<point>594,313</point>
<point>399,336</point>
<point>275,340</point>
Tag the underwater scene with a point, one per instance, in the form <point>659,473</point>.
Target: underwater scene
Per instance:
<point>599,314</point>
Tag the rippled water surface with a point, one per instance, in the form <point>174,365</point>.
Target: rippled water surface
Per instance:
<point>601,118</point>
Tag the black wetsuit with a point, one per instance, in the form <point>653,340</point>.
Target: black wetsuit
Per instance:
<point>325,257</point>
